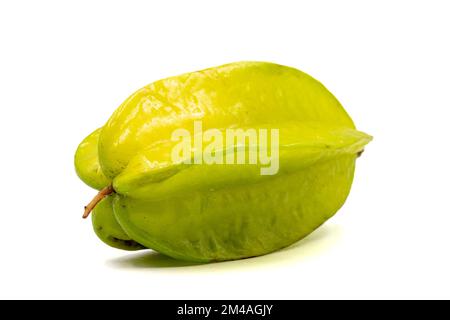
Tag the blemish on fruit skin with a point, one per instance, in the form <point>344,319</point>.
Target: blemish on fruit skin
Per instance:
<point>126,243</point>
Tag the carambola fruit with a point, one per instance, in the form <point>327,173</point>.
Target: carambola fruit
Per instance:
<point>212,212</point>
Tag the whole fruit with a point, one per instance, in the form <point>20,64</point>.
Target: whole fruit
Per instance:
<point>199,210</point>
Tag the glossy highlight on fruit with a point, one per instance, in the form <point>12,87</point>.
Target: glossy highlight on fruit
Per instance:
<point>214,212</point>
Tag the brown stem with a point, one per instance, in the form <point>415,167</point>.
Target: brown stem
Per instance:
<point>102,194</point>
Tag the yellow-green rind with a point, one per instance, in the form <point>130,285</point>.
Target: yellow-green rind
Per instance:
<point>241,94</point>
<point>87,165</point>
<point>152,174</point>
<point>242,221</point>
<point>108,230</point>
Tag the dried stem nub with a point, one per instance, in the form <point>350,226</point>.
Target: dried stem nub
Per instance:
<point>102,194</point>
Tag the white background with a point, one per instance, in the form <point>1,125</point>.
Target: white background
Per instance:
<point>66,65</point>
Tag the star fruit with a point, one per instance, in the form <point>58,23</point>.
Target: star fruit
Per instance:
<point>198,210</point>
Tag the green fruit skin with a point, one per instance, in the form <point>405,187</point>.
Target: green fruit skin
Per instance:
<point>239,222</point>
<point>87,165</point>
<point>108,230</point>
<point>242,94</point>
<point>104,222</point>
<point>214,213</point>
<point>300,147</point>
